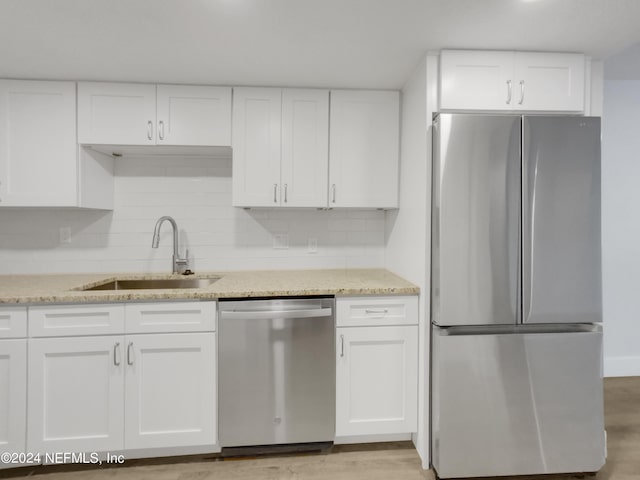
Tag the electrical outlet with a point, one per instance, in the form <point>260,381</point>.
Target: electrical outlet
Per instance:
<point>312,245</point>
<point>281,241</point>
<point>65,234</point>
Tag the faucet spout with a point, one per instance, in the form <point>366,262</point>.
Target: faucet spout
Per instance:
<point>177,261</point>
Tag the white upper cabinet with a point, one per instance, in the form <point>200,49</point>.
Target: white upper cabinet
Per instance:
<point>140,114</point>
<point>364,149</point>
<point>511,81</point>
<point>305,147</point>
<point>549,81</point>
<point>476,80</point>
<point>38,151</point>
<point>280,147</point>
<point>257,118</point>
<point>116,113</point>
<point>190,115</point>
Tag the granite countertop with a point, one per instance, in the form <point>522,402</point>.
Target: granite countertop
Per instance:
<point>66,288</point>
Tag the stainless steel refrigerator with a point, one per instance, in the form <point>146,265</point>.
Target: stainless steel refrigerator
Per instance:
<point>516,296</point>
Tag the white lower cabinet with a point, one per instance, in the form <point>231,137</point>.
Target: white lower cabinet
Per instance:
<point>121,392</point>
<point>377,380</point>
<point>377,366</point>
<point>13,396</point>
<point>76,390</point>
<point>170,398</point>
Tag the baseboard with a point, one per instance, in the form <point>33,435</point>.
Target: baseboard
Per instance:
<point>622,366</point>
<point>168,451</point>
<point>392,437</point>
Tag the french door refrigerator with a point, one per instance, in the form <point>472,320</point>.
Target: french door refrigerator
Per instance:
<point>516,296</point>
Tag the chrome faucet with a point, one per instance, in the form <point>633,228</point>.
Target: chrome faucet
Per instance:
<point>179,264</point>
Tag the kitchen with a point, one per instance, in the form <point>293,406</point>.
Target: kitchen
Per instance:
<point>197,192</point>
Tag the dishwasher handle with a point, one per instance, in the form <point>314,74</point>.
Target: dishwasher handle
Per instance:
<point>269,314</point>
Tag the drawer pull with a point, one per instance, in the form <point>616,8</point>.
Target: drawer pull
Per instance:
<point>381,311</point>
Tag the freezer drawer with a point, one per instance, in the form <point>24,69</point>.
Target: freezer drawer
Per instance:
<point>517,404</point>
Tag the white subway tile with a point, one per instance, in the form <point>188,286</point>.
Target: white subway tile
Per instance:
<point>197,193</point>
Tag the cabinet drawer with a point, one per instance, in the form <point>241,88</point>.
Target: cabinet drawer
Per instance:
<point>372,311</point>
<point>13,322</point>
<point>70,320</point>
<point>171,317</point>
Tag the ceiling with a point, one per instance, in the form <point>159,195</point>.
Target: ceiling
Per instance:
<point>330,43</point>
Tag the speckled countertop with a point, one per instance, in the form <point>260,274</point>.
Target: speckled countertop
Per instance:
<point>265,283</point>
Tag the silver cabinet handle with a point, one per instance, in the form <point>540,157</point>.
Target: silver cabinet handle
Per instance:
<point>285,193</point>
<point>381,311</point>
<point>116,354</point>
<point>521,92</point>
<point>342,345</point>
<point>508,92</point>
<point>129,355</point>
<point>161,130</point>
<point>275,193</point>
<point>333,195</point>
<point>150,130</point>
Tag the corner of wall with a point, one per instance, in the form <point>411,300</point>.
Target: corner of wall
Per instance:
<point>408,230</point>
<point>596,88</point>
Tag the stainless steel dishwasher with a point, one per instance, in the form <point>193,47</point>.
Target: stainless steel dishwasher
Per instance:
<point>276,372</point>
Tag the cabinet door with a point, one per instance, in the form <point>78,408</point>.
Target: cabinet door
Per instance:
<point>549,81</point>
<point>38,157</point>
<point>170,390</point>
<point>376,380</point>
<point>305,147</point>
<point>76,394</point>
<point>477,80</point>
<point>256,146</point>
<point>364,149</point>
<point>191,115</point>
<point>116,113</point>
<point>13,395</point>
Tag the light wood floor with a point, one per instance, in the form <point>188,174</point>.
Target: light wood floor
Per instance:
<point>398,461</point>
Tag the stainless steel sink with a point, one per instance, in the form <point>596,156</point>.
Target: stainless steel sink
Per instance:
<point>155,283</point>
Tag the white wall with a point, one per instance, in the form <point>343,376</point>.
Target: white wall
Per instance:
<point>408,229</point>
<point>621,227</point>
<point>197,193</point>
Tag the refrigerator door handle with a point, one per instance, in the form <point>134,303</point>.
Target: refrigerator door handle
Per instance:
<point>529,170</point>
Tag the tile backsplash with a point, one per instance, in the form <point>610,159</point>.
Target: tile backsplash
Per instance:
<point>196,192</point>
